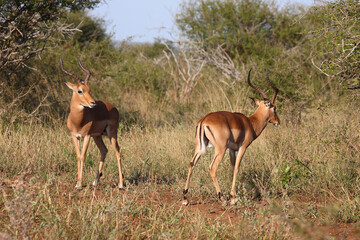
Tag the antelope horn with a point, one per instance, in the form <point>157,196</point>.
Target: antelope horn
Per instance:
<point>69,73</point>
<point>88,73</point>
<point>257,88</point>
<point>273,87</point>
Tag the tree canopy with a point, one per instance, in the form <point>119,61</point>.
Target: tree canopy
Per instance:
<point>26,26</point>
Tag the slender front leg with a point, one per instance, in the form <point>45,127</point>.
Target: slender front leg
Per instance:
<point>77,150</point>
<point>236,170</point>
<point>82,159</point>
<point>116,147</point>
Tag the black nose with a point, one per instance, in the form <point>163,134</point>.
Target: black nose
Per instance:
<point>92,104</point>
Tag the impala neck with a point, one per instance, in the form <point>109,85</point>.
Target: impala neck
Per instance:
<point>259,121</point>
<point>76,110</point>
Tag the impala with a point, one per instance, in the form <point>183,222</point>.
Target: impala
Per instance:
<point>89,118</point>
<point>233,131</point>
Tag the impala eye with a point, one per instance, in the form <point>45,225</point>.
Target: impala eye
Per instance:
<point>80,91</point>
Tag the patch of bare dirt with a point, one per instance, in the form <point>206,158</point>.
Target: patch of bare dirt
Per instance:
<point>162,196</point>
<point>215,211</point>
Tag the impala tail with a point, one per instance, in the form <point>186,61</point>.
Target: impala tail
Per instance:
<point>201,140</point>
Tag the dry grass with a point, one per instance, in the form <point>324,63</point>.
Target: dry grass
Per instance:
<point>296,181</point>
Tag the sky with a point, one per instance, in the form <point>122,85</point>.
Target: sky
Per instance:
<point>146,20</point>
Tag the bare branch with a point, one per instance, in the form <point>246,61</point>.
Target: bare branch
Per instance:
<point>219,58</point>
<point>312,61</point>
<point>20,42</point>
<point>188,67</point>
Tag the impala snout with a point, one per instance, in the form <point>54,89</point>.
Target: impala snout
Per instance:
<point>276,121</point>
<point>87,100</point>
<point>92,104</point>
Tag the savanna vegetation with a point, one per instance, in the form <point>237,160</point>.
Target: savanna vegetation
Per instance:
<point>300,180</point>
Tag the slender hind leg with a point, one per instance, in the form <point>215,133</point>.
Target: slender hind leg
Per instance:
<point>219,155</point>
<point>232,157</point>
<point>193,162</point>
<point>116,147</point>
<point>103,150</point>
<point>236,170</point>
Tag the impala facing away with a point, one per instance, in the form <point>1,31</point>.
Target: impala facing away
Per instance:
<point>235,131</point>
<point>89,118</point>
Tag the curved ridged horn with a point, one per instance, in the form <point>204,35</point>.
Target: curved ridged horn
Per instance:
<point>273,87</point>
<point>69,73</point>
<point>88,73</point>
<point>256,88</point>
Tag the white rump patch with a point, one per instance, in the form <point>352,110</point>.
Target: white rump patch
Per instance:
<point>209,145</point>
<point>202,147</point>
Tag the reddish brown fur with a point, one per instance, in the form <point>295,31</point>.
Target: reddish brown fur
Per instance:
<point>233,131</point>
<point>89,118</point>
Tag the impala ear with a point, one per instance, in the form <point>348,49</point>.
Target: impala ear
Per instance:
<point>256,101</point>
<point>70,85</point>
